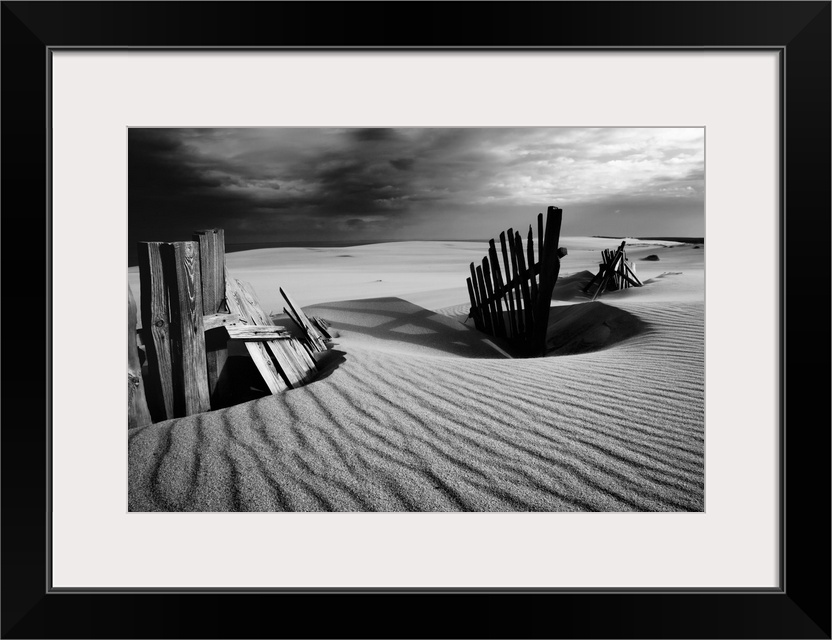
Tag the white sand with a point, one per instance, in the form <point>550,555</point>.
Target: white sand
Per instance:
<point>416,411</point>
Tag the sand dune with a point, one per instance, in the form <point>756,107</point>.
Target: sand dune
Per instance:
<point>415,411</point>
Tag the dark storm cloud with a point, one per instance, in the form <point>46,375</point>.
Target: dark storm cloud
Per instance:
<point>402,164</point>
<point>305,184</point>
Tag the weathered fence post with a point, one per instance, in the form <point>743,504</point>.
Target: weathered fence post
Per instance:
<point>212,269</point>
<point>549,269</point>
<point>138,414</point>
<point>156,331</point>
<point>190,378</point>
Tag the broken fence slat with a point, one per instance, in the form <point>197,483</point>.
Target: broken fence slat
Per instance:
<point>313,334</point>
<point>254,332</point>
<point>293,372</point>
<point>304,339</point>
<point>631,268</point>
<point>190,377</point>
<point>217,320</point>
<point>257,350</point>
<point>322,326</point>
<point>156,327</point>
<point>307,368</point>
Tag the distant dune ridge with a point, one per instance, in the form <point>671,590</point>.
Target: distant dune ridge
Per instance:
<point>416,411</point>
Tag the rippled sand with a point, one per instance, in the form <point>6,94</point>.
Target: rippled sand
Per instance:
<point>415,411</point>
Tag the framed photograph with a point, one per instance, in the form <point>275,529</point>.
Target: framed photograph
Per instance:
<point>492,303</point>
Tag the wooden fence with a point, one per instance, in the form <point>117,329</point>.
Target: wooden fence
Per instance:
<point>190,310</point>
<point>516,306</point>
<point>615,272</point>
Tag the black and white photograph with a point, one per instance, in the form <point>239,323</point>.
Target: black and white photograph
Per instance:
<point>416,319</point>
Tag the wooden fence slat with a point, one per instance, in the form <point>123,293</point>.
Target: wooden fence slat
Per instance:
<point>294,369</point>
<point>156,329</point>
<point>549,270</point>
<point>494,305</point>
<point>257,350</point>
<point>212,268</point>
<point>321,325</point>
<point>295,352</point>
<point>217,320</point>
<point>475,312</point>
<point>509,292</point>
<point>499,287</point>
<point>609,272</point>
<point>314,336</point>
<point>293,372</point>
<point>479,294</point>
<point>540,245</point>
<point>254,332</point>
<point>518,296</point>
<point>486,310</point>
<point>138,414</point>
<point>530,263</point>
<point>524,287</point>
<point>631,267</point>
<point>190,376</point>
<point>307,344</point>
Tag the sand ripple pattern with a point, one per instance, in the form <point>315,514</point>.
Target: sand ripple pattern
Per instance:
<point>615,430</point>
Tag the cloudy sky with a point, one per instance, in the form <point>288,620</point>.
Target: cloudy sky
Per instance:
<point>305,186</point>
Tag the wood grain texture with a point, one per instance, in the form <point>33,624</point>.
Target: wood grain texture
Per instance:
<point>217,320</point>
<point>258,351</point>
<point>138,414</point>
<point>212,268</point>
<point>315,338</point>
<point>190,376</point>
<point>156,329</point>
<point>255,333</point>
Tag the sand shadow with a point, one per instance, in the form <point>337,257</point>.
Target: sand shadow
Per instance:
<point>392,321</point>
<point>572,329</point>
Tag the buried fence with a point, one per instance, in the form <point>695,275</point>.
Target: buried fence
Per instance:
<point>614,272</point>
<point>516,306</point>
<point>191,309</point>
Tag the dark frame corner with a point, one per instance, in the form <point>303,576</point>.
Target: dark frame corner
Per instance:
<point>800,30</point>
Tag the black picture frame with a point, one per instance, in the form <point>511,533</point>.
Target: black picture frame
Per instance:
<point>799,31</point>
